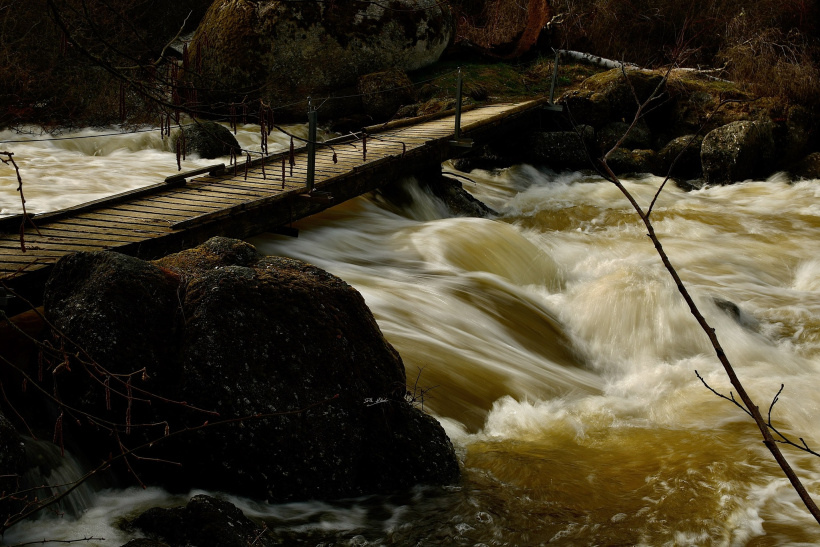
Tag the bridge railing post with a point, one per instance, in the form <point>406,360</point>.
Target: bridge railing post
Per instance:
<point>311,147</point>
<point>457,140</point>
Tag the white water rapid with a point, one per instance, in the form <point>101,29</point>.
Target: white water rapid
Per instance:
<point>560,358</point>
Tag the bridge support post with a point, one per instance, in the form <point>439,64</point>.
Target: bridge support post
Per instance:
<point>311,147</point>
<point>457,140</point>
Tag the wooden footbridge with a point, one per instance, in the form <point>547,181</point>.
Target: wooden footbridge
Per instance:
<point>248,199</point>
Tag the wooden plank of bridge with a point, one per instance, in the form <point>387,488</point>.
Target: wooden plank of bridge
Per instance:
<point>238,201</point>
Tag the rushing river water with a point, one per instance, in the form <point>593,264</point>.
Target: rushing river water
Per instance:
<point>561,360</point>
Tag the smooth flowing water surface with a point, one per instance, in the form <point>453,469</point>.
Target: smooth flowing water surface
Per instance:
<point>556,351</point>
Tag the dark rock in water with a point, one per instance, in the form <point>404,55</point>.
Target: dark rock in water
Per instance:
<point>684,153</point>
<point>735,312</point>
<point>638,137</point>
<point>208,140</point>
<point>624,160</point>
<point>483,157</point>
<point>288,350</point>
<point>560,149</point>
<point>738,151</point>
<point>383,93</point>
<point>292,50</point>
<point>689,185</point>
<point>458,200</point>
<point>586,107</point>
<point>204,522</point>
<point>807,168</point>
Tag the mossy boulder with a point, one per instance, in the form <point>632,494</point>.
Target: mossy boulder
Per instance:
<point>623,90</point>
<point>289,354</point>
<point>292,50</point>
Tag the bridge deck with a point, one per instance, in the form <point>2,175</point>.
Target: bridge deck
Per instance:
<point>165,218</point>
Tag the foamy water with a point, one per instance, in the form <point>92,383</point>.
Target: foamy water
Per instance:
<point>563,364</point>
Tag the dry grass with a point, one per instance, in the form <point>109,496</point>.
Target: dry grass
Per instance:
<point>770,46</point>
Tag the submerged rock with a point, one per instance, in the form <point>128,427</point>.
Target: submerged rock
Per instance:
<point>288,351</point>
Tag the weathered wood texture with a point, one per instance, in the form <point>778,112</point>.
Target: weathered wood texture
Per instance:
<point>238,202</point>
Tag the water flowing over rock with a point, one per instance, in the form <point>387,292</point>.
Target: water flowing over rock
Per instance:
<point>738,151</point>
<point>287,349</point>
<point>204,522</point>
<point>292,50</point>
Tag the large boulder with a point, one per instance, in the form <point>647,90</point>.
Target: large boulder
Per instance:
<point>208,140</point>
<point>738,151</point>
<point>292,50</point>
<point>287,354</point>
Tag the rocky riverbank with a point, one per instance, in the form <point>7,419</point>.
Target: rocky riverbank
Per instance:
<point>696,129</point>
